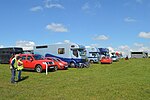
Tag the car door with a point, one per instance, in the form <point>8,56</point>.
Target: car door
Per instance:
<point>30,62</point>
<point>24,61</point>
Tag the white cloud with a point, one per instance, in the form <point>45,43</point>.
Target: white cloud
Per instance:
<point>147,49</point>
<point>36,8</point>
<point>138,44</point>
<point>101,37</point>
<point>94,45</point>
<point>26,45</point>
<point>125,50</point>
<point>91,6</point>
<point>53,4</point>
<point>144,35</point>
<point>55,27</point>
<point>111,49</point>
<point>129,19</point>
<point>1,46</point>
<point>124,47</point>
<point>67,41</point>
<point>58,43</point>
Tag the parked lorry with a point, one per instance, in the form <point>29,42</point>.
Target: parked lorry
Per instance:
<point>93,54</point>
<point>71,53</point>
<point>103,52</point>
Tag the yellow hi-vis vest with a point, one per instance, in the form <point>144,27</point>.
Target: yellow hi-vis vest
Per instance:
<point>20,65</point>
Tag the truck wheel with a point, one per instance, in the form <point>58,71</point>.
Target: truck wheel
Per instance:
<point>72,65</point>
<point>91,61</point>
<point>38,68</point>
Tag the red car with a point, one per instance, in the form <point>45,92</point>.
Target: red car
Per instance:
<point>106,60</point>
<point>37,62</point>
<point>60,64</point>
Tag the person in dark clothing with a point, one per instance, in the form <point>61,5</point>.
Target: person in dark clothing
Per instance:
<point>13,67</point>
<point>126,58</point>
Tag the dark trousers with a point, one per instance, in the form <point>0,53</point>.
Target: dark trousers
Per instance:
<point>19,74</point>
<point>13,74</point>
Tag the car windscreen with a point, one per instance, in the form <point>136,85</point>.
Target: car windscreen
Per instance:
<point>38,57</point>
<point>58,60</point>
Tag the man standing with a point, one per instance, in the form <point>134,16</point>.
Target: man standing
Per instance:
<point>13,67</point>
<point>19,67</point>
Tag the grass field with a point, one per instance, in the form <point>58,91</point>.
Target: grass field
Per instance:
<point>123,80</point>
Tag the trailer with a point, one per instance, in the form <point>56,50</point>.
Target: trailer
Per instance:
<point>71,53</point>
<point>139,54</point>
<point>93,54</point>
<point>6,53</point>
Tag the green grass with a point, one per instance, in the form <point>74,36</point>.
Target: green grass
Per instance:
<point>123,80</point>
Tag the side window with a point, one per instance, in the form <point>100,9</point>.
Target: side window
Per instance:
<point>75,53</point>
<point>23,57</point>
<point>61,50</point>
<point>94,54</point>
<point>29,58</point>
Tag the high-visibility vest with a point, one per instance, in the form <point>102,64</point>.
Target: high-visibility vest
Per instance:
<point>20,65</point>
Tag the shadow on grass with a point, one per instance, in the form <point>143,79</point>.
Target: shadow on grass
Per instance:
<point>23,78</point>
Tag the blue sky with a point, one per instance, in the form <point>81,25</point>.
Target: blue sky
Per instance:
<point>121,25</point>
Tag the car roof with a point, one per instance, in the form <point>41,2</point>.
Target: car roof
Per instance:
<point>28,54</point>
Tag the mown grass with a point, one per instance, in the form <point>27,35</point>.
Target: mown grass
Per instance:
<point>123,80</point>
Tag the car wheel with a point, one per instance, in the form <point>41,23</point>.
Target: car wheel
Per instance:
<point>55,68</point>
<point>91,61</point>
<point>38,68</point>
<point>72,65</point>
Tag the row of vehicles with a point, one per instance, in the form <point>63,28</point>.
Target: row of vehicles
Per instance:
<point>57,56</point>
<point>38,62</point>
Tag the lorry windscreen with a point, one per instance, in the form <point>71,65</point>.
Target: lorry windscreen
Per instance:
<point>82,52</point>
<point>94,54</point>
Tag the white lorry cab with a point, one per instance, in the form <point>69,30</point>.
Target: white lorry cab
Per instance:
<point>71,53</point>
<point>93,54</point>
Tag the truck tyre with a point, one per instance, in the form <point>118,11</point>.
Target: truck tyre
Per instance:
<point>72,65</point>
<point>38,68</point>
<point>91,61</point>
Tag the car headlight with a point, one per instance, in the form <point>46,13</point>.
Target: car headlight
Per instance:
<point>60,64</point>
<point>44,63</point>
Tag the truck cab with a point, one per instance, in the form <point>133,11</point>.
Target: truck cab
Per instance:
<point>93,54</point>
